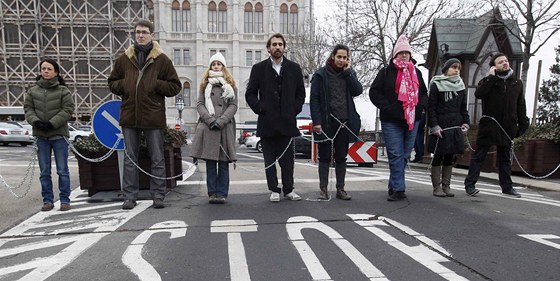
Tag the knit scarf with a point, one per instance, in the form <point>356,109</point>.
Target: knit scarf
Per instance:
<point>505,74</point>
<point>406,87</point>
<point>142,52</point>
<point>216,78</point>
<point>448,83</point>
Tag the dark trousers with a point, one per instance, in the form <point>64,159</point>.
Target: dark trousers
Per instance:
<point>340,146</point>
<point>445,159</point>
<point>504,166</point>
<point>272,149</point>
<point>419,142</point>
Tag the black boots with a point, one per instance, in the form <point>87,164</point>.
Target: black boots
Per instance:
<point>340,171</point>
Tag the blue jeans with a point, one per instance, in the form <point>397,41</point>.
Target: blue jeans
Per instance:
<point>217,177</point>
<point>399,142</point>
<point>60,148</point>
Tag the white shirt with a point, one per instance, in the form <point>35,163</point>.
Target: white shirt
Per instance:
<point>276,66</point>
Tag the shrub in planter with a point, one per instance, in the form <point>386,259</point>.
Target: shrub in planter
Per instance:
<point>102,176</point>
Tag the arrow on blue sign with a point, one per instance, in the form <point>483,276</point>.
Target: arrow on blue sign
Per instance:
<point>106,126</point>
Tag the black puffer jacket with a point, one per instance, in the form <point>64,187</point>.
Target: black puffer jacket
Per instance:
<point>382,94</point>
<point>504,101</point>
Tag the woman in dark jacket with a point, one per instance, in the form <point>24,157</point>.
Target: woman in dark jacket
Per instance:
<point>333,89</point>
<point>401,95</point>
<point>448,119</point>
<point>48,107</point>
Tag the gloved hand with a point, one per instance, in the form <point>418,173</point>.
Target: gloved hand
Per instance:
<point>38,124</point>
<point>215,126</point>
<point>465,127</point>
<point>436,131</point>
<point>48,126</point>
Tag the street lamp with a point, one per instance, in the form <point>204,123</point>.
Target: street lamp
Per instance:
<point>180,105</point>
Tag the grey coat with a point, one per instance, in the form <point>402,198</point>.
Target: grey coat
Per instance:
<point>206,143</point>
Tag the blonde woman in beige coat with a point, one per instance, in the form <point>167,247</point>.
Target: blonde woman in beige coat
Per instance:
<point>214,139</point>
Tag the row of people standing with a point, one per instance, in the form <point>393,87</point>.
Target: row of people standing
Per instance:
<point>143,76</point>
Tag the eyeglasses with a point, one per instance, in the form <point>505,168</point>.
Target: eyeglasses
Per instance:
<point>143,32</point>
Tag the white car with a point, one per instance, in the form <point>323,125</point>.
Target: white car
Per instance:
<point>253,142</point>
<point>76,134</point>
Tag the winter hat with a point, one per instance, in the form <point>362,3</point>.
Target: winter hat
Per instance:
<point>401,46</point>
<point>448,64</point>
<point>218,57</point>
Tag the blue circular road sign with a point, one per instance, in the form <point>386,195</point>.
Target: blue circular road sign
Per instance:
<point>106,124</point>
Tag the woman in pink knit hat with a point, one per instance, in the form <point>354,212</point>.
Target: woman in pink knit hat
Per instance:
<point>401,95</point>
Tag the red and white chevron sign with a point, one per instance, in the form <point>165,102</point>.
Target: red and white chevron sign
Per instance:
<point>362,152</point>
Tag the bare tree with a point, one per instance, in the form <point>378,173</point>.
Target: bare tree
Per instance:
<point>309,49</point>
<point>539,20</point>
<point>371,27</point>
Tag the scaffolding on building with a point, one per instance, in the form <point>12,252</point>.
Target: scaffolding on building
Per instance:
<point>84,36</point>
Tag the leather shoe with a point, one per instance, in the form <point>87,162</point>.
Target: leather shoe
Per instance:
<point>158,203</point>
<point>511,192</point>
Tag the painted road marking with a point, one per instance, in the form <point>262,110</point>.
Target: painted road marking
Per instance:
<point>295,225</point>
<point>543,239</point>
<point>238,267</point>
<point>132,257</point>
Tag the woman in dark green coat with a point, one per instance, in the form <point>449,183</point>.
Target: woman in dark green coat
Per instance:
<point>48,107</point>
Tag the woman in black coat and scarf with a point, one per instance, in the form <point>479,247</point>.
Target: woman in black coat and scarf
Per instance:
<point>448,119</point>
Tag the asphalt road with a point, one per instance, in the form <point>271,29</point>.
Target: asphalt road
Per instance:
<point>488,237</point>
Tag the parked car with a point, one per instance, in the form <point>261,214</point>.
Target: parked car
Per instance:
<point>10,133</point>
<point>76,135</point>
<point>248,129</point>
<point>253,142</point>
<point>302,144</point>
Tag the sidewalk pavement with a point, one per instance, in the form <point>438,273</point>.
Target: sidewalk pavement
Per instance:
<point>549,184</point>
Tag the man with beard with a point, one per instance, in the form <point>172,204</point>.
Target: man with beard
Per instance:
<point>503,118</point>
<point>276,94</point>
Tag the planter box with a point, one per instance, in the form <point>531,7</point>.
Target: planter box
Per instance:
<point>104,176</point>
<point>538,157</point>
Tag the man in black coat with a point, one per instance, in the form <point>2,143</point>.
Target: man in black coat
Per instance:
<point>503,119</point>
<point>276,94</point>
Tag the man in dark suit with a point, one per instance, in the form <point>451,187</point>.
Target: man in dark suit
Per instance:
<point>276,94</point>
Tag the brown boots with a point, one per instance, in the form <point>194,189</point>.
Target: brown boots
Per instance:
<point>436,181</point>
<point>446,173</point>
<point>441,181</point>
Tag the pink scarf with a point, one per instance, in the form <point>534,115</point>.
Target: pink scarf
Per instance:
<point>406,88</point>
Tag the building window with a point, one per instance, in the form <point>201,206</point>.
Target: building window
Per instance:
<point>259,18</point>
<point>222,17</point>
<point>213,52</point>
<point>186,56</point>
<point>248,20</point>
<point>180,16</point>
<point>212,17</point>
<point>182,56</point>
<point>176,56</point>
<point>284,19</point>
<point>252,57</point>
<point>187,93</point>
<point>293,22</point>
<point>176,17</point>
<point>187,16</point>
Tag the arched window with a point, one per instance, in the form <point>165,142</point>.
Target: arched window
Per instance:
<point>248,19</point>
<point>222,17</point>
<point>186,16</point>
<point>212,17</point>
<point>259,18</point>
<point>284,19</point>
<point>187,93</point>
<point>176,16</point>
<point>293,23</point>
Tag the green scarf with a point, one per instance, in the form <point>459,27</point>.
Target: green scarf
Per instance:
<point>448,83</point>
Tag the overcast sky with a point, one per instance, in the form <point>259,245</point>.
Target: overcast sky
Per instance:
<point>324,7</point>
